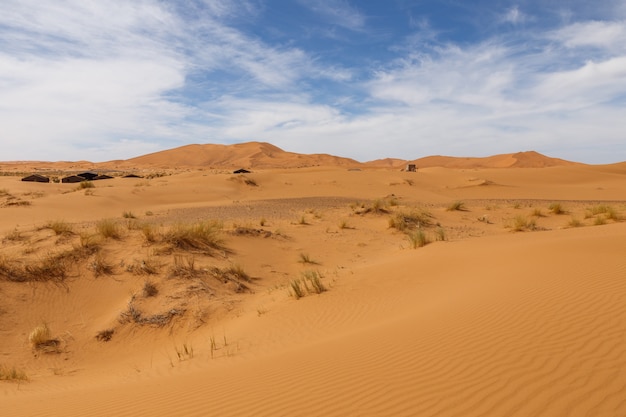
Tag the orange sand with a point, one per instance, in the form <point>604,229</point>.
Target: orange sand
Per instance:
<point>488,322</point>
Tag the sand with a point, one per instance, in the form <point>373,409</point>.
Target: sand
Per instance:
<point>518,311</point>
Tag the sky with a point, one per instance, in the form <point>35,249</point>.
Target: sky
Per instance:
<point>100,80</point>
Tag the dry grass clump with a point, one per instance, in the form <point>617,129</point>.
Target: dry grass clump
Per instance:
<point>233,274</point>
<point>574,222</point>
<point>59,227</point>
<point>202,236</point>
<point>100,266</point>
<point>537,213</point>
<point>244,179</point>
<point>305,258</point>
<point>184,267</point>
<point>12,374</point>
<point>147,266</point>
<point>309,283</point>
<point>609,212</point>
<point>557,208</point>
<point>14,236</point>
<point>52,267</point>
<point>149,289</point>
<point>457,206</point>
<point>41,339</point>
<point>150,232</point>
<point>85,185</point>
<point>108,229</point>
<point>521,223</point>
<point>128,215</point>
<point>133,315</point>
<point>418,239</point>
<point>406,221</point>
<point>105,335</point>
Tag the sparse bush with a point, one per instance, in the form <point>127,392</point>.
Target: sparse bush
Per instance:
<point>238,272</point>
<point>600,220</point>
<point>150,233</point>
<point>128,215</point>
<point>184,267</point>
<point>147,266</point>
<point>537,213</point>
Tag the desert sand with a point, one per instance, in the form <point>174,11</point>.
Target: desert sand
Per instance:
<point>473,287</point>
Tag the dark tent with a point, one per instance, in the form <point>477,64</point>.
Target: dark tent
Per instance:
<point>36,178</point>
<point>102,177</point>
<point>241,171</point>
<point>88,175</point>
<point>73,179</point>
<point>132,176</point>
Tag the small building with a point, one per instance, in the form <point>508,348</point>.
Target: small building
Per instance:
<point>73,179</point>
<point>241,171</point>
<point>411,168</point>
<point>88,175</point>
<point>36,178</point>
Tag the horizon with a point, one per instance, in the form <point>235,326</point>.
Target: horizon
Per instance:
<point>82,80</point>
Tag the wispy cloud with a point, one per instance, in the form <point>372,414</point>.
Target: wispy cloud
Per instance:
<point>337,12</point>
<point>515,16</point>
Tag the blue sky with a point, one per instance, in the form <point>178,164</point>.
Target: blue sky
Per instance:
<point>100,80</point>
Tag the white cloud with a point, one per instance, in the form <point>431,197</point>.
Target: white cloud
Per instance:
<point>598,34</point>
<point>337,12</point>
<point>515,16</point>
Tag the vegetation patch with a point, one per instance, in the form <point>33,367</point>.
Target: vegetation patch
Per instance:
<point>12,374</point>
<point>203,236</point>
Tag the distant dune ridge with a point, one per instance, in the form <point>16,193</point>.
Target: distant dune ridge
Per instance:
<point>265,155</point>
<point>262,155</point>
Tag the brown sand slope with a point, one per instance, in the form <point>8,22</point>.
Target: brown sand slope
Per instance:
<point>246,155</point>
<point>529,159</point>
<point>519,312</point>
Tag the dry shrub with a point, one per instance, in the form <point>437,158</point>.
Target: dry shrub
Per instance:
<point>149,289</point>
<point>100,266</point>
<point>457,206</point>
<point>556,208</point>
<point>150,232</point>
<point>105,335</point>
<point>147,266</point>
<point>521,223</point>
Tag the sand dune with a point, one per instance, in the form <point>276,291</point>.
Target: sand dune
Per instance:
<point>518,311</point>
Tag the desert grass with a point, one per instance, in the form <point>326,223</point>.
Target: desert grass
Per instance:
<point>609,212</point>
<point>574,222</point>
<point>418,239</point>
<point>184,267</point>
<point>51,268</point>
<point>557,208</point>
<point>305,258</point>
<point>149,289</point>
<point>407,221</point>
<point>99,265</point>
<point>41,339</point>
<point>12,374</point>
<point>105,335</point>
<point>133,315</point>
<point>238,272</point>
<point>457,206</point>
<point>202,236</point>
<point>14,236</point>
<point>521,223</point>
<point>440,234</point>
<point>537,213</point>
<point>297,290</point>
<point>128,215</point>
<point>150,232</point>
<point>85,185</point>
<point>185,352</point>
<point>59,227</point>
<point>343,225</point>
<point>88,245</point>
<point>600,220</point>
<point>147,266</point>
<point>314,278</point>
<point>108,229</point>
